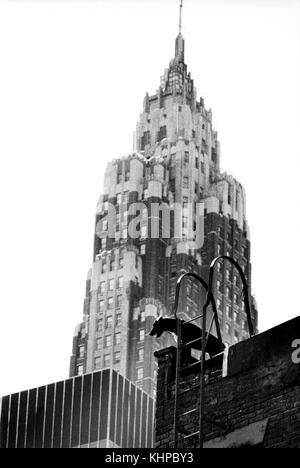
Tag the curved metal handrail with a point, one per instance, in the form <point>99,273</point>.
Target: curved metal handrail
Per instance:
<point>209,296</point>
<point>206,287</point>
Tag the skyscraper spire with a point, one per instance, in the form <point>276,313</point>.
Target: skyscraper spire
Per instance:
<point>180,16</point>
<point>179,47</point>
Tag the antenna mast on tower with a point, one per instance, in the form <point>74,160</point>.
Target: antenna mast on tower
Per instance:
<point>180,16</point>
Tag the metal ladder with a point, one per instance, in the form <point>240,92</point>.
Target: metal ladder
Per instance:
<point>205,336</point>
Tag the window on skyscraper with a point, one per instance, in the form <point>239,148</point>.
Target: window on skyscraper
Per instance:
<point>119,301</point>
<point>108,341</point>
<point>98,344</point>
<point>185,182</point>
<point>227,292</point>
<point>109,321</point>
<point>162,132</point>
<point>227,329</point>
<point>120,282</point>
<point>143,249</point>
<point>143,316</point>
<point>110,302</point>
<point>80,370</point>
<point>117,338</point>
<point>103,243</point>
<point>97,362</point>
<point>100,325</point>
<point>117,357</point>
<point>119,198</point>
<point>140,373</point>
<point>81,351</point>
<point>111,284</point>
<point>101,305</point>
<point>107,360</point>
<point>118,320</point>
<point>141,335</point>
<point>102,287</point>
<point>235,298</point>
<point>140,354</point>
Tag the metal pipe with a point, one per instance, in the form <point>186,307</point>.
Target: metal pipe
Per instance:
<point>177,381</point>
<point>245,288</point>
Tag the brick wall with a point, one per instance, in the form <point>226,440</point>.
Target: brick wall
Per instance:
<point>252,395</point>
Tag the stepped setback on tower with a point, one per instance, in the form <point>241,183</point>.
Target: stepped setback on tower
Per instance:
<point>166,209</point>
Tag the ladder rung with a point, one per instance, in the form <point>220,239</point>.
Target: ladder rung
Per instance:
<point>190,366</point>
<point>191,342</point>
<point>192,320</point>
<point>191,435</point>
<point>188,412</point>
<point>193,387</point>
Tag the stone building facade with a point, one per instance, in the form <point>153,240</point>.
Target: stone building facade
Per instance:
<point>133,278</point>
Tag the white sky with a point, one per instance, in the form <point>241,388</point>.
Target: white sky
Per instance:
<point>73,75</point>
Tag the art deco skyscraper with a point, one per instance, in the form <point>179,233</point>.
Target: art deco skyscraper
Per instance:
<point>133,279</point>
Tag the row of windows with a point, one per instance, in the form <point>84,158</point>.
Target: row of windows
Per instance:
<point>108,340</point>
<point>110,303</point>
<point>229,239</point>
<point>187,158</point>
<point>112,265</point>
<point>229,276</point>
<point>111,284</point>
<point>116,360</point>
<point>107,360</point>
<point>220,251</point>
<point>121,178</point>
<point>109,322</point>
<point>228,293</point>
<point>233,315</point>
